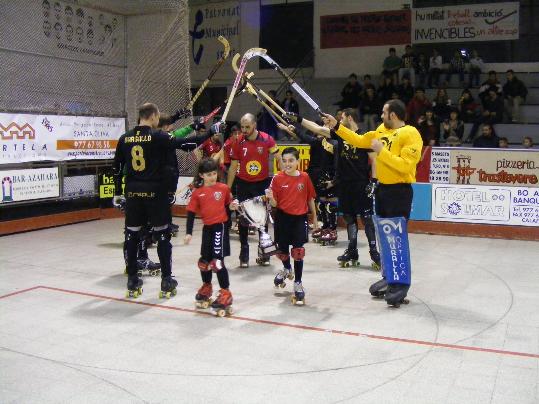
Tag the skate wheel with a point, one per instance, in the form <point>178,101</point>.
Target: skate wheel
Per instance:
<point>128,294</point>
<point>139,274</point>
<point>204,304</point>
<point>293,299</point>
<point>282,285</point>
<point>290,277</point>
<point>229,311</point>
<point>160,294</point>
<point>174,292</point>
<point>221,313</point>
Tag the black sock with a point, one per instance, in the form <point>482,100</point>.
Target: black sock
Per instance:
<point>164,251</point>
<point>206,276</point>
<point>222,277</point>
<point>298,270</point>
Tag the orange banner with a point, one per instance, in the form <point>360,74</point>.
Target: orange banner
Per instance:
<point>66,144</point>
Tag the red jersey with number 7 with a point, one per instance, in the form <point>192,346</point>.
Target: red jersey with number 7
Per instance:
<point>253,157</point>
<point>292,193</point>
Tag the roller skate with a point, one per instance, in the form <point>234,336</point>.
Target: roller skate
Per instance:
<point>252,230</point>
<point>299,294</point>
<point>153,268</point>
<point>223,304</point>
<point>285,273</point>
<point>174,229</point>
<point>396,295</point>
<point>203,296</point>
<point>329,238</point>
<point>348,259</point>
<point>168,287</point>
<point>316,234</point>
<point>244,256</point>
<point>375,257</point>
<point>134,287</point>
<point>378,289</point>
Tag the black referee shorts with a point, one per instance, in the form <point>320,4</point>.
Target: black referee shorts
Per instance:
<point>353,199</point>
<point>394,200</point>
<point>290,229</point>
<point>215,242</point>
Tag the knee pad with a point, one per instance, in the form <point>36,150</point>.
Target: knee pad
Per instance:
<point>297,253</point>
<point>203,265</point>
<point>215,265</point>
<point>282,256</point>
<point>131,234</point>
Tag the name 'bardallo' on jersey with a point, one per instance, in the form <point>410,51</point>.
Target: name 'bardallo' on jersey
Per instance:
<point>138,138</point>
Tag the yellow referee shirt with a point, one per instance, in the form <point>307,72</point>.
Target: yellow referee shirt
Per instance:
<point>396,163</point>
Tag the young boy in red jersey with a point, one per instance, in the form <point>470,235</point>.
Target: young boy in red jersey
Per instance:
<point>292,193</point>
<point>211,146</point>
<point>210,200</point>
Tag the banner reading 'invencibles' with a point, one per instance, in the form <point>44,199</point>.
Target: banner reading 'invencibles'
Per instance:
<point>463,23</point>
<point>26,137</point>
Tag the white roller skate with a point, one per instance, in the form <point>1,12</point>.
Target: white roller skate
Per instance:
<point>299,294</point>
<point>283,274</point>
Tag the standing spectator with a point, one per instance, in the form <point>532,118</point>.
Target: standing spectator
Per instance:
<point>435,68</point>
<point>350,93</point>
<point>422,68</point>
<point>386,89</point>
<point>367,83</point>
<point>492,111</point>
<point>408,65</point>
<point>441,104</point>
<point>417,106</point>
<point>289,103</point>
<point>429,128</point>
<point>515,93</point>
<point>392,64</point>
<point>405,90</point>
<point>370,109</point>
<point>469,109</point>
<point>453,129</point>
<point>527,142</point>
<point>456,65</point>
<point>503,143</point>
<point>488,138</point>
<point>476,67</point>
<point>492,82</point>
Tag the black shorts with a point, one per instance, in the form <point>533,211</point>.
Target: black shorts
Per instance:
<point>215,242</point>
<point>290,229</point>
<point>146,204</point>
<point>247,190</point>
<point>394,200</point>
<point>353,199</point>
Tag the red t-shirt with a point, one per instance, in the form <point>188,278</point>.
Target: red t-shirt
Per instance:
<point>209,147</point>
<point>229,145</point>
<point>253,157</point>
<point>210,203</point>
<point>292,193</point>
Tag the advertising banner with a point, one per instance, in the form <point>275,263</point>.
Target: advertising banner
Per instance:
<point>365,29</point>
<point>304,156</point>
<point>421,204</point>
<point>463,23</point>
<point>392,236</point>
<point>24,185</point>
<point>27,137</point>
<point>184,191</point>
<point>440,166</point>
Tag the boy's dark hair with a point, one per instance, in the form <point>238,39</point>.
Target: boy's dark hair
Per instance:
<point>291,150</point>
<point>206,165</point>
<point>397,107</point>
<point>352,76</point>
<point>510,71</point>
<point>145,111</point>
<point>503,139</point>
<point>367,76</point>
<point>353,113</point>
<point>164,120</point>
<point>392,50</point>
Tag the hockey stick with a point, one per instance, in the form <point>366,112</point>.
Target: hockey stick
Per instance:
<point>216,67</point>
<point>246,56</point>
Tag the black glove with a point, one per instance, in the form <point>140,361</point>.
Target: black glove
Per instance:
<point>292,116</point>
<point>371,187</point>
<point>198,125</point>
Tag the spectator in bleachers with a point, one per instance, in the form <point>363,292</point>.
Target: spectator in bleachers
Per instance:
<point>476,67</point>
<point>503,143</point>
<point>395,96</point>
<point>456,65</point>
<point>422,69</point>
<point>408,65</point>
<point>350,93</point>
<point>405,90</point>
<point>492,111</point>
<point>492,82</point>
<point>392,64</point>
<point>367,83</point>
<point>453,129</point>
<point>527,142</point>
<point>488,138</point>
<point>435,68</point>
<point>515,93</point>
<point>441,104</point>
<point>469,109</point>
<point>429,127</point>
<point>289,103</point>
<point>386,89</point>
<point>370,108</point>
<point>417,106</point>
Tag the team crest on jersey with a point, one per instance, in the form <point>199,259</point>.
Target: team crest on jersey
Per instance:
<point>260,149</point>
<point>301,187</point>
<point>253,167</point>
<point>217,195</point>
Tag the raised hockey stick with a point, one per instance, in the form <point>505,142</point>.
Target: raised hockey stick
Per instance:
<point>216,67</point>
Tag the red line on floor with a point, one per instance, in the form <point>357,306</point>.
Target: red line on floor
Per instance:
<point>289,325</point>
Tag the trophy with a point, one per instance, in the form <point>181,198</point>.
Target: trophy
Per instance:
<point>256,212</point>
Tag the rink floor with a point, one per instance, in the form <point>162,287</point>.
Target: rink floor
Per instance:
<point>469,335</point>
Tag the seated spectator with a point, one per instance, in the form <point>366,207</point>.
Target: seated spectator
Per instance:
<point>441,104</point>
<point>527,142</point>
<point>469,109</point>
<point>422,69</point>
<point>405,90</point>
<point>429,127</point>
<point>417,106</point>
<point>503,143</point>
<point>453,129</point>
<point>515,93</point>
<point>350,93</point>
<point>492,111</point>
<point>290,104</point>
<point>370,108</point>
<point>392,64</point>
<point>395,96</point>
<point>456,65</point>
<point>386,89</point>
<point>435,68</point>
<point>476,67</point>
<point>367,83</point>
<point>492,82</point>
<point>488,138</point>
<point>408,65</point>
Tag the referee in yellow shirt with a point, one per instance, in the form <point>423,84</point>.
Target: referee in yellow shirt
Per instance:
<point>398,150</point>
